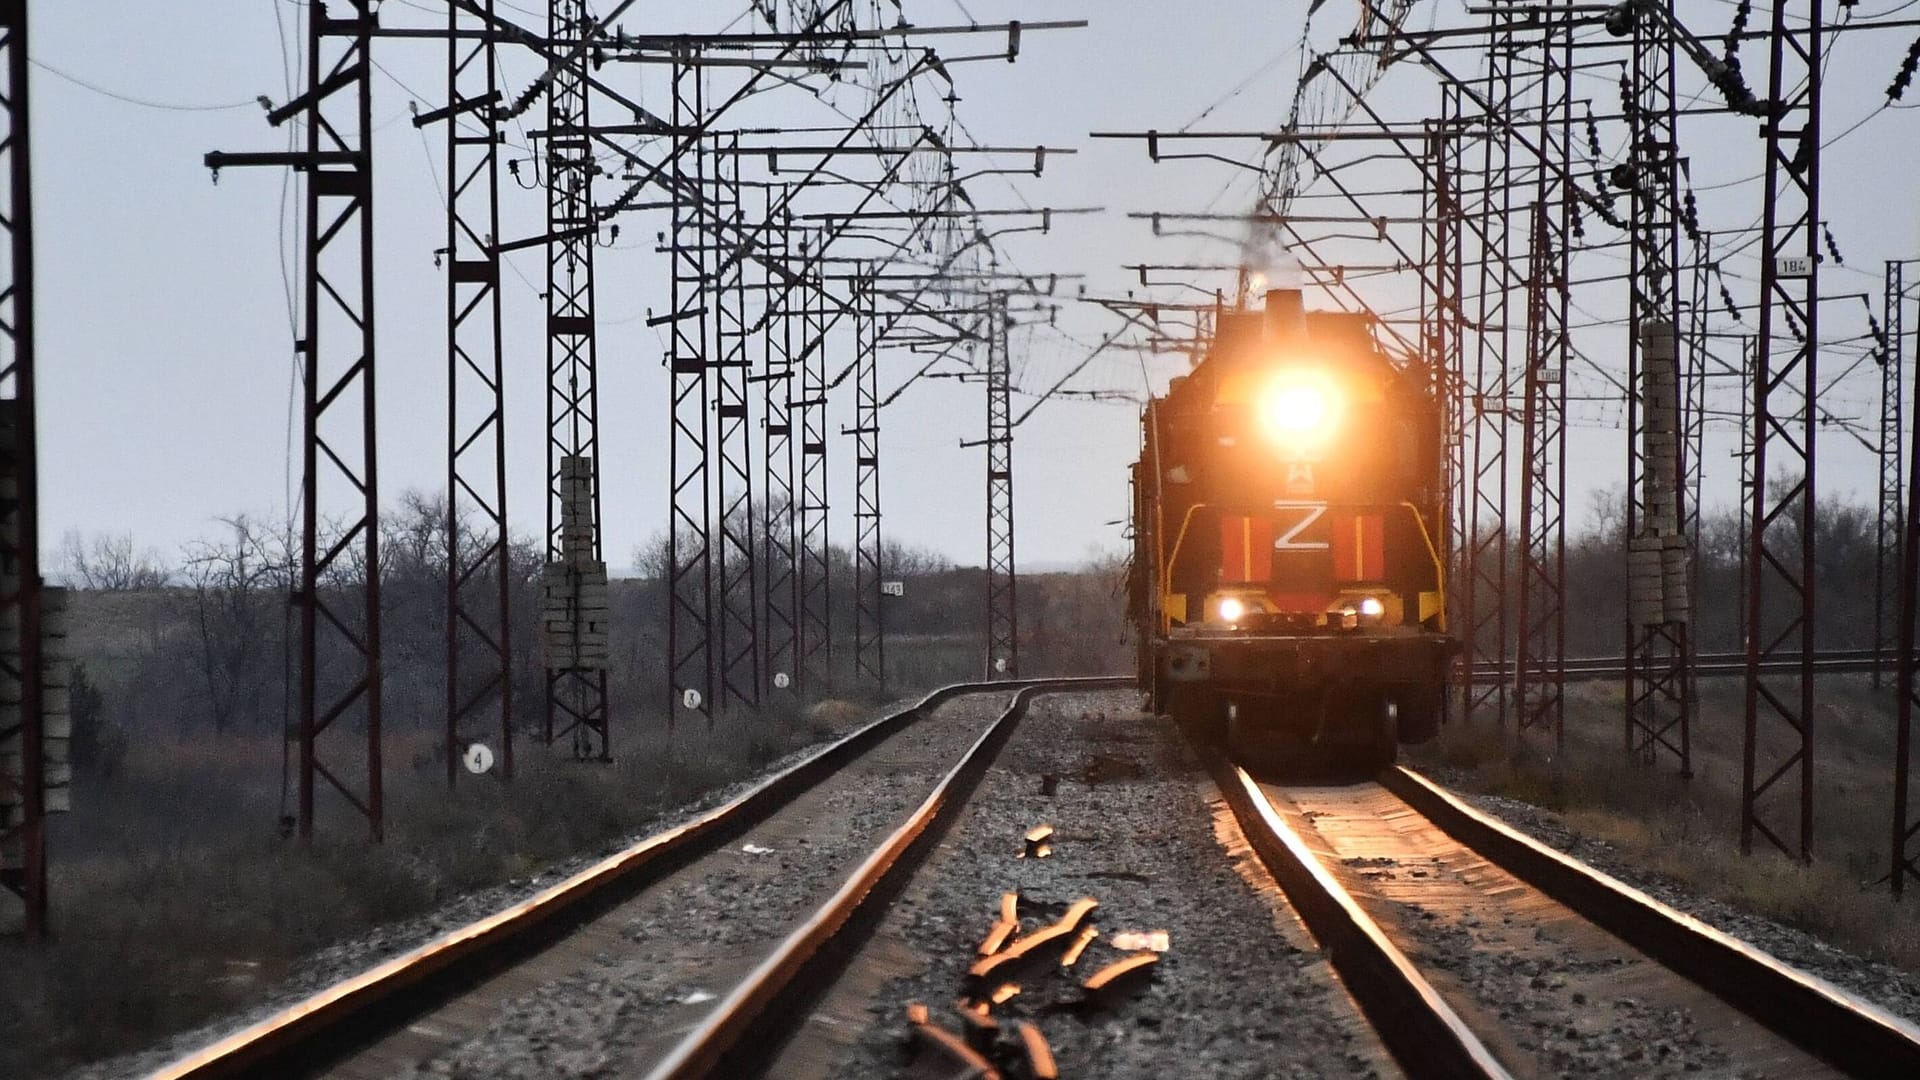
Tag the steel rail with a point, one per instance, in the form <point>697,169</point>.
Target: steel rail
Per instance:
<point>1422,1032</point>
<point>329,1024</point>
<point>742,1035</point>
<point>1589,668</point>
<point>1824,1020</point>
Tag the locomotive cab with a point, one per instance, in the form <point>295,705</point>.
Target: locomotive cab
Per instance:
<point>1287,509</point>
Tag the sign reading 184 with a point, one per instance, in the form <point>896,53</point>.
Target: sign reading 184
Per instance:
<point>1793,266</point>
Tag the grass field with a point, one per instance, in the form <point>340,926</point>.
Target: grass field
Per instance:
<point>175,898</point>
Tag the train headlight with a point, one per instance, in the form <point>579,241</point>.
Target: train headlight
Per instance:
<point>1300,407</point>
<point>1231,609</point>
<point>1372,608</point>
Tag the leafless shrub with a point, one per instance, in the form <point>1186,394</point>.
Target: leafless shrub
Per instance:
<point>110,563</point>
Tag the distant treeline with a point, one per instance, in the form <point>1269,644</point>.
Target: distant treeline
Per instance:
<point>1596,580</point>
<point>207,641</point>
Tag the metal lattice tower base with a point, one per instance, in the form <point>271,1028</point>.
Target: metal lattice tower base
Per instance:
<point>1003,613</point>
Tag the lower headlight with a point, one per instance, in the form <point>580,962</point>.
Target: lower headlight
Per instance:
<point>1372,608</point>
<point>1231,609</point>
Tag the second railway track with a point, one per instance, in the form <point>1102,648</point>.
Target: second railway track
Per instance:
<point>1478,952</point>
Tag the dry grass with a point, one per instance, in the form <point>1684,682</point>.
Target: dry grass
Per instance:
<point>175,901</point>
<point>1689,830</point>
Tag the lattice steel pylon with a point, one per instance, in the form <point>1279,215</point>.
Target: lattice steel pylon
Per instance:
<point>780,627</point>
<point>1889,522</point>
<point>575,662</point>
<point>339,489</point>
<point>814,668</point>
<point>1778,731</point>
<point>1003,610</point>
<point>738,638</point>
<point>1445,336</point>
<point>1540,668</point>
<point>1485,624</point>
<point>479,651</point>
<point>24,734</point>
<point>689,527</point>
<point>869,623</point>
<point>1905,862</point>
<point>1658,703</point>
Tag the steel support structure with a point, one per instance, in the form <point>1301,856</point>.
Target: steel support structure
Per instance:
<point>339,598</point>
<point>338,594</point>
<point>1540,668</point>
<point>869,624</point>
<point>576,699</point>
<point>1003,610</point>
<point>689,528</point>
<point>1906,826</point>
<point>1447,324</point>
<point>1888,523</point>
<point>815,642</point>
<point>479,652</point>
<point>1694,355</point>
<point>23,851</point>
<point>738,639</point>
<point>1777,747</point>
<point>1440,309</point>
<point>779,524</point>
<point>1490,217</point>
<point>1658,703</point>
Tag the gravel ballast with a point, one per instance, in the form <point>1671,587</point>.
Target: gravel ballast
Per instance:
<point>657,964</point>
<point>1240,990</point>
<point>352,956</point>
<point>1891,988</point>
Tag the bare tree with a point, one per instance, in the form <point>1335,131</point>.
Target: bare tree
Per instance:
<point>110,563</point>
<point>238,585</point>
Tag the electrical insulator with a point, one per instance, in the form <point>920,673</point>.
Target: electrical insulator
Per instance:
<point>1740,15</point>
<point>1904,77</point>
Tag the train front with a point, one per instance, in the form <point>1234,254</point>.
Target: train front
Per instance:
<point>1290,498</point>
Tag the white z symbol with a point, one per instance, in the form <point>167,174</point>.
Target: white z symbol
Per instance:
<point>1286,541</point>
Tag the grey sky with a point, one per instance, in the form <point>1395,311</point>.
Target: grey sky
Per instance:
<point>164,331</point>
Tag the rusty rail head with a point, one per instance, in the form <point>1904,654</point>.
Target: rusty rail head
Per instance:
<point>350,1013</point>
<point>1821,1018</point>
<point>1419,1028</point>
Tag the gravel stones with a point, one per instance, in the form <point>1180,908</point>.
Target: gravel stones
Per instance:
<point>1233,996</point>
<point>1889,987</point>
<point>688,941</point>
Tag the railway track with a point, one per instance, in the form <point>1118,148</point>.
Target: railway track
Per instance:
<point>1472,950</point>
<point>1476,951</point>
<point>404,1011</point>
<point>1836,662</point>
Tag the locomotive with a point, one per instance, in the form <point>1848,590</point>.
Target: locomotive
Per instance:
<point>1288,578</point>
